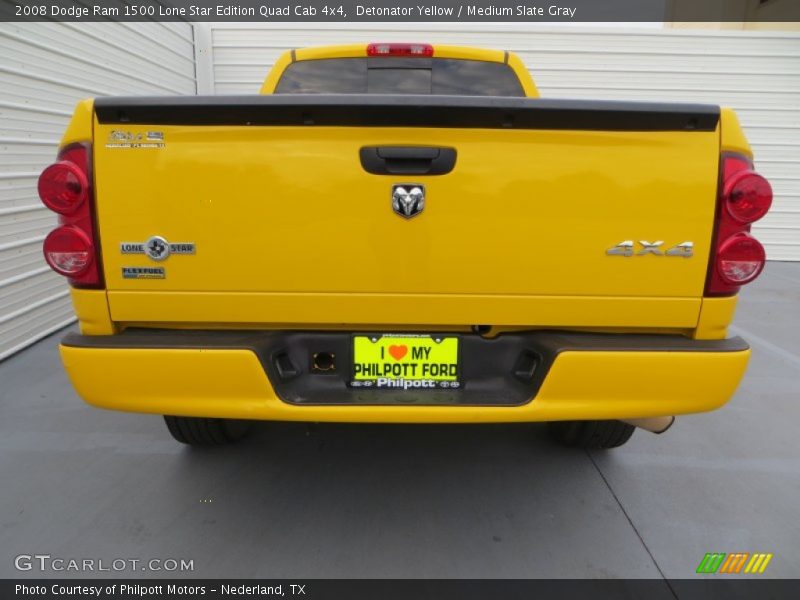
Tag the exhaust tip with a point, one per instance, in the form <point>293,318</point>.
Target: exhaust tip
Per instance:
<point>653,424</point>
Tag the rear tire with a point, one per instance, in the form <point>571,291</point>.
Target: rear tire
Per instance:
<point>593,435</point>
<point>199,431</point>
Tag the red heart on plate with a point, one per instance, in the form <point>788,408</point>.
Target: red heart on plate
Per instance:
<point>398,352</point>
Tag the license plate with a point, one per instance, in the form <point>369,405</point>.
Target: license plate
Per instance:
<point>405,362</point>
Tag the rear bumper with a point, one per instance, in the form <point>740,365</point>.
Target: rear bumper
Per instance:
<point>239,375</point>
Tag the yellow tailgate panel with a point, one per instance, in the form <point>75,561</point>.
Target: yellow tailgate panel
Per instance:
<point>525,213</point>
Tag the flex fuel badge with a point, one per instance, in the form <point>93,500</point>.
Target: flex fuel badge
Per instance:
<point>157,248</point>
<point>143,273</point>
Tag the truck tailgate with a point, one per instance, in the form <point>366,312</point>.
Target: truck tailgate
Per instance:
<point>273,199</point>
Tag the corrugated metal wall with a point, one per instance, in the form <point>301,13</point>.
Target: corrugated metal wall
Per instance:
<point>756,73</point>
<point>44,70</point>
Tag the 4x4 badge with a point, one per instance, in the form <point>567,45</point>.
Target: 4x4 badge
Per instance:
<point>626,248</point>
<point>157,248</point>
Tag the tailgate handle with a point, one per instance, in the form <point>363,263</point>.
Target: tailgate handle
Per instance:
<point>407,160</point>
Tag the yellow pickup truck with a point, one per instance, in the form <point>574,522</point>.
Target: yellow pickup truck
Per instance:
<point>404,233</point>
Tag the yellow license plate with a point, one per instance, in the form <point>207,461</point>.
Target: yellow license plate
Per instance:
<point>405,361</point>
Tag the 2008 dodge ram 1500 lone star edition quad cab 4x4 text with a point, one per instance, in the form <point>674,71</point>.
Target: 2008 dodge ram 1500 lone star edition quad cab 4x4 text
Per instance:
<point>404,233</point>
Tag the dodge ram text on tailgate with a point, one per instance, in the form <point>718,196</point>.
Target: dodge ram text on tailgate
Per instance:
<point>404,233</point>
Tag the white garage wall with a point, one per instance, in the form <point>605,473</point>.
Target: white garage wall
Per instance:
<point>756,73</point>
<point>45,68</point>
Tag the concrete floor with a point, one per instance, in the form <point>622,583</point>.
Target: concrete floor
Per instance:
<point>411,501</point>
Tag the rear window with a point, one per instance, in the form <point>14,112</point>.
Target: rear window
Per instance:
<point>437,76</point>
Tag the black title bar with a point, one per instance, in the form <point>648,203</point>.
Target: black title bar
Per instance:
<point>332,11</point>
<point>398,589</point>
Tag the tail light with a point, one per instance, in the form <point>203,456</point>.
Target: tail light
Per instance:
<point>740,259</point>
<point>63,187</point>
<point>68,251</point>
<point>748,196</point>
<point>395,49</point>
<point>744,197</point>
<point>66,188</point>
